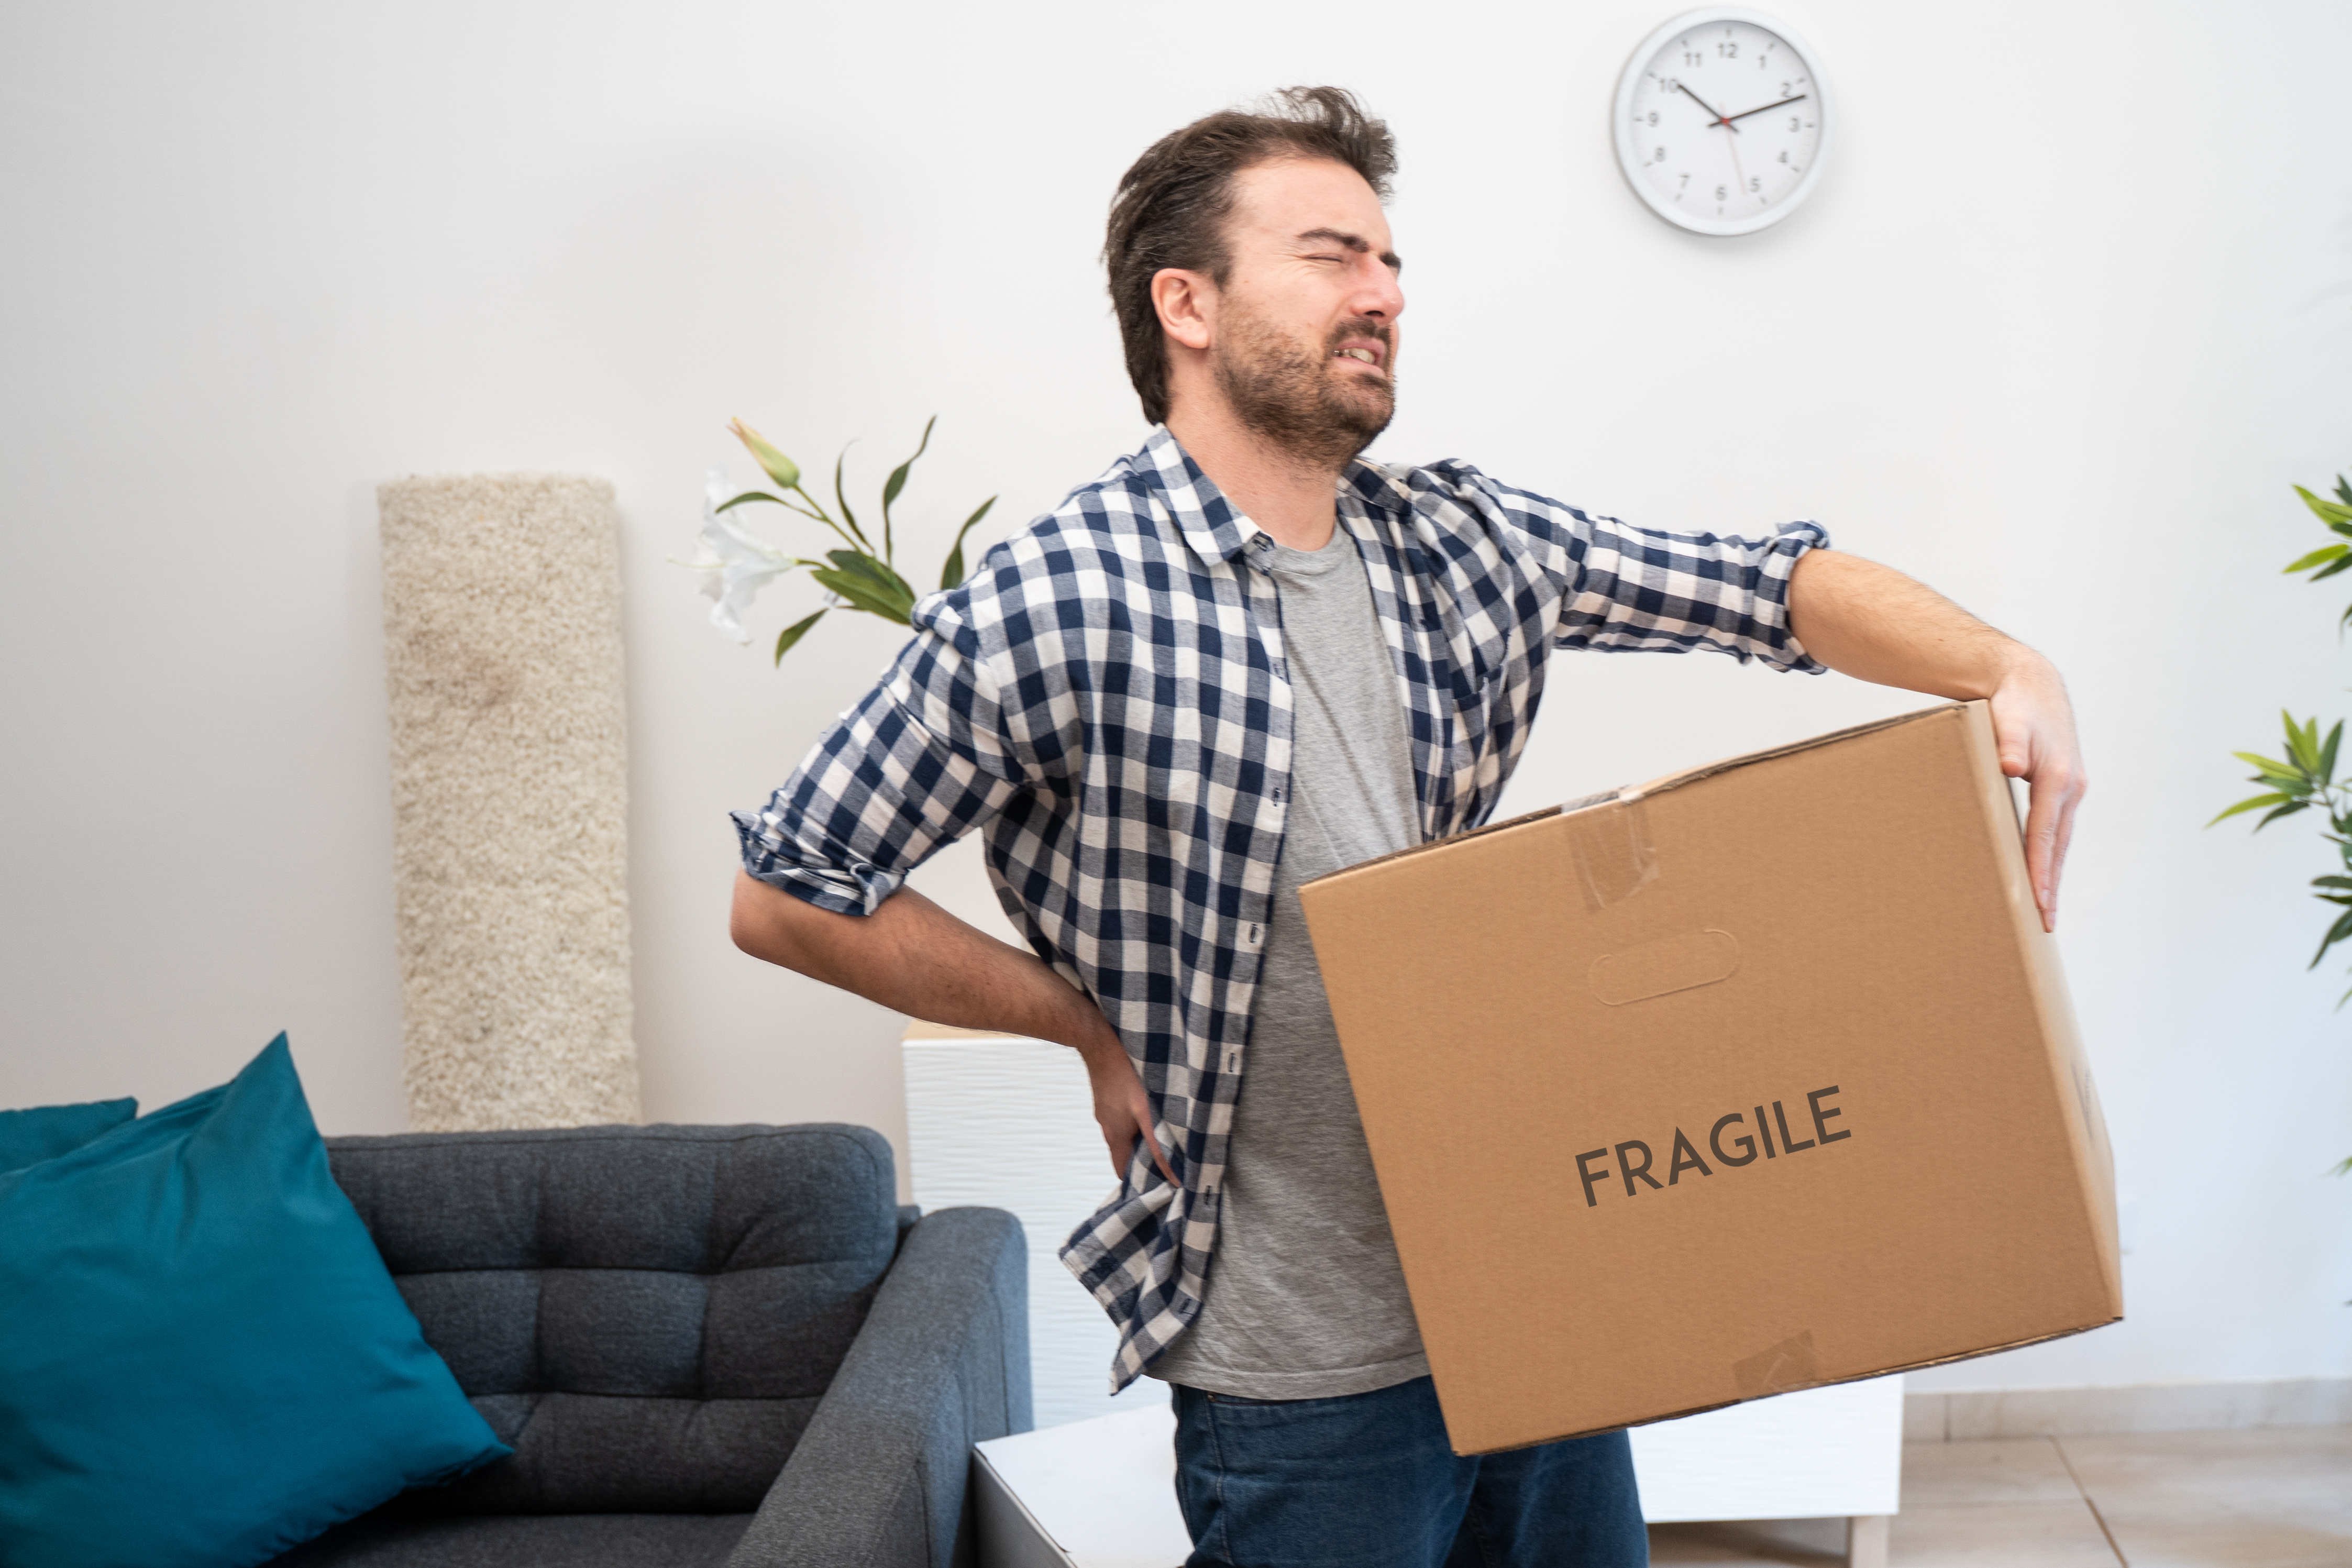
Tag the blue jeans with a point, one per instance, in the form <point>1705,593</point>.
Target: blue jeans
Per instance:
<point>1368,1481</point>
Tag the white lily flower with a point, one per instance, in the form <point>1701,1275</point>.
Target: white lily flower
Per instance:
<point>734,565</point>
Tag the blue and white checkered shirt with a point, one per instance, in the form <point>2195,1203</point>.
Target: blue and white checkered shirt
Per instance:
<point>1105,700</point>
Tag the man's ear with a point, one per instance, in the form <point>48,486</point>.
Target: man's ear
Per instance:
<point>1186,303</point>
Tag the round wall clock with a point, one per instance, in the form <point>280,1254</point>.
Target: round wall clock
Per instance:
<point>1722,120</point>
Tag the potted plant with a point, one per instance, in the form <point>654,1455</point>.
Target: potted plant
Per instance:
<point>736,564</point>
<point>2307,777</point>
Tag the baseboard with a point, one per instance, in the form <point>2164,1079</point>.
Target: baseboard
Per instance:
<point>2133,1407</point>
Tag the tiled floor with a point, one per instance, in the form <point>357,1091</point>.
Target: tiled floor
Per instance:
<point>2270,1497</point>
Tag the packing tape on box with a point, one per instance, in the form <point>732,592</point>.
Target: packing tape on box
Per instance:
<point>1609,836</point>
<point>1791,1364</point>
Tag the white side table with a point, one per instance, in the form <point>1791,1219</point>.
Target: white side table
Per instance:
<point>1093,1494</point>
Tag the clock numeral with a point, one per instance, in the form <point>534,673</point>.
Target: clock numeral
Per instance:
<point>1796,123</point>
<point>1784,154</point>
<point>1722,194</point>
<point>1693,58</point>
<point>1755,183</point>
<point>1661,154</point>
<point>1684,185</point>
<point>1727,51</point>
<point>1653,117</point>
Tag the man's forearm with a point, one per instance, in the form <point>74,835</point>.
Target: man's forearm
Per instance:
<point>1874,624</point>
<point>913,957</point>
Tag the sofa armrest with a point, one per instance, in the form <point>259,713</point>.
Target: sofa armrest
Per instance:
<point>879,1479</point>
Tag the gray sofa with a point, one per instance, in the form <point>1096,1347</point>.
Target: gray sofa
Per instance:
<point>707,1345</point>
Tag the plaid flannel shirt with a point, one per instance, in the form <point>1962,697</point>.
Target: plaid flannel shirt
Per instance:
<point>1105,700</point>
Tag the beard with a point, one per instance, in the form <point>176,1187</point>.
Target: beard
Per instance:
<point>1302,403</point>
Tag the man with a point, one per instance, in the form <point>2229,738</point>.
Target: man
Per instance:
<point>1240,660</point>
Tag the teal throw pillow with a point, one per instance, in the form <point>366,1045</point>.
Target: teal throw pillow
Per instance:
<point>45,1132</point>
<point>203,1359</point>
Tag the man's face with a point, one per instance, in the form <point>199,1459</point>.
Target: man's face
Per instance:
<point>1305,335</point>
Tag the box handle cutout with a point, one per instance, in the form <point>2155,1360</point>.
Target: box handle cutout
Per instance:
<point>1655,968</point>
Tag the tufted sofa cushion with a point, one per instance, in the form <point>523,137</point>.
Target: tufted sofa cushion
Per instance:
<point>648,1315</point>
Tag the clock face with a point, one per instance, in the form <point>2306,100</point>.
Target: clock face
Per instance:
<point>1720,121</point>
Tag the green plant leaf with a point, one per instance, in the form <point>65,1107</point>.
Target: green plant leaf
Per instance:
<point>868,585</point>
<point>793,633</point>
<point>2344,490</point>
<point>842,495</point>
<point>2327,753</point>
<point>2278,776</point>
<point>2326,572</point>
<point>880,573</point>
<point>897,483</point>
<point>780,469</point>
<point>2290,769</point>
<point>2302,744</point>
<point>2324,552</point>
<point>2287,810</point>
<point>2254,804</point>
<point>2328,511</point>
<point>749,496</point>
<point>898,480</point>
<point>2332,881</point>
<point>951,576</point>
<point>859,593</point>
<point>2336,933</point>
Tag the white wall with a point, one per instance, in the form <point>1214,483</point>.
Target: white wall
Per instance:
<point>2064,320</point>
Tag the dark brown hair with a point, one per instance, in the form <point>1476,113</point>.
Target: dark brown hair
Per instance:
<point>1171,206</point>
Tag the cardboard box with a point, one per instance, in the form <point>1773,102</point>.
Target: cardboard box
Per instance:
<point>1752,1079</point>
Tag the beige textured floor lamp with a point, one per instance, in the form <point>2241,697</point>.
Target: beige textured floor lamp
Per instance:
<point>509,789</point>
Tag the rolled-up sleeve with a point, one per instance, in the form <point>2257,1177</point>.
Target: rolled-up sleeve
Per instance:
<point>1627,589</point>
<point>921,761</point>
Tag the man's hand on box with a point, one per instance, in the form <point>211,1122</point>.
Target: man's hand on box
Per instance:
<point>1874,624</point>
<point>2035,725</point>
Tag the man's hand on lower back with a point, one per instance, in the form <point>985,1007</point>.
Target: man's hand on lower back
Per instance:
<point>912,956</point>
<point>2034,724</point>
<point>1122,1108</point>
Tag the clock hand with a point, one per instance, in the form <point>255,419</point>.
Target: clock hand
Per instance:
<point>1746,112</point>
<point>1694,98</point>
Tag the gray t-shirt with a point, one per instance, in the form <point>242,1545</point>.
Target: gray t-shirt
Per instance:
<point>1305,1299</point>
